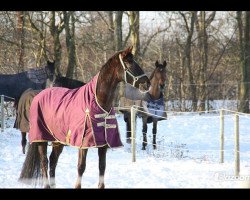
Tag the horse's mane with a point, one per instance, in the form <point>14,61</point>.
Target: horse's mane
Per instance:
<point>152,75</point>
<point>112,59</point>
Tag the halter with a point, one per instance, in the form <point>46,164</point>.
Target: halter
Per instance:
<point>126,71</point>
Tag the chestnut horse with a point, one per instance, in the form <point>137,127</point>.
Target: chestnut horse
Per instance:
<point>82,117</point>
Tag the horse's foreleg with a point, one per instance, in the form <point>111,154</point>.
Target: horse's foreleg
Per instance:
<point>53,159</point>
<point>102,165</point>
<point>144,132</point>
<point>42,149</point>
<point>81,166</point>
<point>128,123</point>
<point>154,133</point>
<point>24,141</point>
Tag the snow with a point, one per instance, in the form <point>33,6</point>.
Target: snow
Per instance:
<point>187,156</point>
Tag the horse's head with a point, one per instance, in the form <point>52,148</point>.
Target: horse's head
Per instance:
<point>160,73</point>
<point>132,72</point>
<point>50,71</point>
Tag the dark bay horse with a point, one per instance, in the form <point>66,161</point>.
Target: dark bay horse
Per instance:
<point>152,103</point>
<point>13,85</point>
<point>23,106</point>
<point>82,117</point>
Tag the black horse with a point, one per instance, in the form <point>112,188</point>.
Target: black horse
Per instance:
<point>82,117</point>
<point>70,83</point>
<point>13,85</point>
<point>23,106</point>
<point>152,103</point>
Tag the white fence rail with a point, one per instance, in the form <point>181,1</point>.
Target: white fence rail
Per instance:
<point>221,151</point>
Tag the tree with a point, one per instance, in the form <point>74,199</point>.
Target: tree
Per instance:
<point>55,30</point>
<point>243,22</point>
<point>187,57</point>
<point>20,33</point>
<point>201,26</point>
<point>134,22</point>
<point>69,21</point>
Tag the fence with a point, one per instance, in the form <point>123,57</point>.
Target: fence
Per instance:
<point>2,111</point>
<point>221,136</point>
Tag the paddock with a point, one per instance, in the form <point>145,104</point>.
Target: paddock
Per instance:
<point>188,155</point>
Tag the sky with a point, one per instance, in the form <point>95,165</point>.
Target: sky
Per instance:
<point>187,156</point>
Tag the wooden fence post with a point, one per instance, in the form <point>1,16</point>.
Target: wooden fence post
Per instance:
<point>237,146</point>
<point>133,135</point>
<point>221,136</point>
<point>2,113</point>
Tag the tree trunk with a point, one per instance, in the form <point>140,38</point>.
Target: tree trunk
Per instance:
<point>55,31</point>
<point>244,43</point>
<point>118,30</point>
<point>20,35</point>
<point>201,26</point>
<point>69,21</point>
<point>187,59</point>
<point>134,21</point>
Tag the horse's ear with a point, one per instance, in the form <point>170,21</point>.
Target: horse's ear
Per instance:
<point>126,51</point>
<point>156,63</point>
<point>130,49</point>
<point>50,63</point>
<point>164,63</point>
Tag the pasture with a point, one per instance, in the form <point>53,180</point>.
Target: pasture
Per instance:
<point>187,156</point>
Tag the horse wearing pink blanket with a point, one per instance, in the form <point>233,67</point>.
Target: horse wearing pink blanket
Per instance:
<point>73,117</point>
<point>82,117</point>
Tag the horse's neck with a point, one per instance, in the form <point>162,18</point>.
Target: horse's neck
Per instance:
<point>154,91</point>
<point>106,86</point>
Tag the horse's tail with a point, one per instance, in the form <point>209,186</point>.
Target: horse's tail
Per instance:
<point>31,167</point>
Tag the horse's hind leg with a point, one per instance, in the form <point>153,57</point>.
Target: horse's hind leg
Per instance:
<point>154,133</point>
<point>42,149</point>
<point>24,141</point>
<point>81,166</point>
<point>102,165</point>
<point>53,159</point>
<point>144,132</point>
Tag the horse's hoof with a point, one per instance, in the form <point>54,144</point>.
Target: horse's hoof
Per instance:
<point>129,141</point>
<point>101,186</point>
<point>47,186</point>
<point>78,186</point>
<point>143,148</point>
<point>23,146</point>
<point>23,150</point>
<point>154,147</point>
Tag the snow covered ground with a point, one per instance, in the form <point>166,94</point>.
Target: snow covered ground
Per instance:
<point>187,156</point>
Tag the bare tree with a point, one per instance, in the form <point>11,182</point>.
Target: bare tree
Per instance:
<point>134,21</point>
<point>20,34</point>
<point>55,30</point>
<point>69,21</point>
<point>201,26</point>
<point>243,20</point>
<point>187,57</point>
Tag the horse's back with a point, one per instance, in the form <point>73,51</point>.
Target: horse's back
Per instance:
<point>13,85</point>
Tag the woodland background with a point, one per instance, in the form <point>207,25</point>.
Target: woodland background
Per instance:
<point>208,52</point>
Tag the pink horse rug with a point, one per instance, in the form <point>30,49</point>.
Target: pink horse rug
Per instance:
<point>73,117</point>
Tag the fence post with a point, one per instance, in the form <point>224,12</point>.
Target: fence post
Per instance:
<point>221,136</point>
<point>237,146</point>
<point>133,144</point>
<point>2,113</point>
